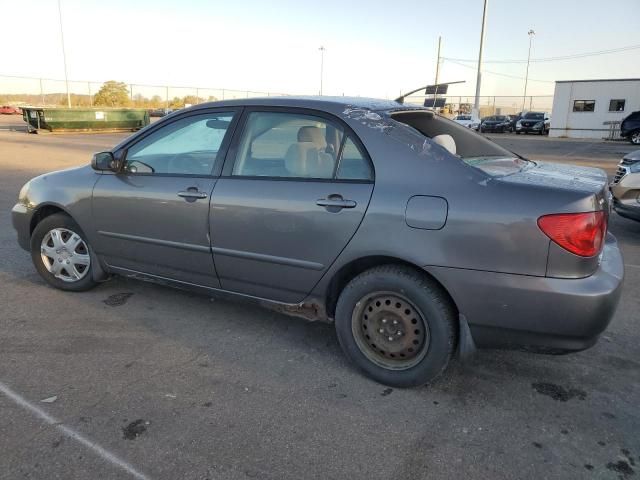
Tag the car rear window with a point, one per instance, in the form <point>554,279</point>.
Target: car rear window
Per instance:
<point>475,150</point>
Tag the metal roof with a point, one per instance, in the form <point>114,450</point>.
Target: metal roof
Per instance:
<point>310,102</point>
<point>601,80</point>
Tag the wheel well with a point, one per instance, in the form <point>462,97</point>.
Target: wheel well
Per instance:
<point>42,213</point>
<point>352,269</point>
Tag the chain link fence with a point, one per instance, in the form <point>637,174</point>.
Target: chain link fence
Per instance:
<point>46,92</point>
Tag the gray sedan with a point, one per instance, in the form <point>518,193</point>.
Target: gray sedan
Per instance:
<point>419,238</point>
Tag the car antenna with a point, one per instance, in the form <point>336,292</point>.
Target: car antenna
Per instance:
<point>435,89</point>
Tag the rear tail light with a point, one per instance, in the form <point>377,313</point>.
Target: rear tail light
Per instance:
<point>579,233</point>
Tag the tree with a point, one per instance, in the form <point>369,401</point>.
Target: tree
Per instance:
<point>191,100</point>
<point>112,94</point>
<point>176,103</point>
<point>156,101</point>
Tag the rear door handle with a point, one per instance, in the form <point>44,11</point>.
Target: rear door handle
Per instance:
<point>335,202</point>
<point>192,193</point>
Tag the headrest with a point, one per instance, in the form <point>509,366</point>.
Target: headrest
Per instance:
<point>445,141</point>
<point>313,135</point>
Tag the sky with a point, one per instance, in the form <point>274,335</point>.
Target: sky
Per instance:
<point>373,48</point>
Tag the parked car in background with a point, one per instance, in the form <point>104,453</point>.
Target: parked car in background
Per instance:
<point>625,186</point>
<point>495,123</point>
<point>514,119</point>
<point>468,121</point>
<point>460,244</point>
<point>630,128</point>
<point>534,122</point>
<point>9,110</point>
<point>159,112</point>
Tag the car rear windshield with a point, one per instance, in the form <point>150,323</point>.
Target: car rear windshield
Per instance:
<point>475,150</point>
<point>463,117</point>
<point>534,116</point>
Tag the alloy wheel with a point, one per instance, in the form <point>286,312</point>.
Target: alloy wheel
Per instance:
<point>635,138</point>
<point>65,254</point>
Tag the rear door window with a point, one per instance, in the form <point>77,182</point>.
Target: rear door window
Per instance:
<point>292,145</point>
<point>353,164</point>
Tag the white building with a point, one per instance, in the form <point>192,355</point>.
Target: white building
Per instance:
<point>582,108</point>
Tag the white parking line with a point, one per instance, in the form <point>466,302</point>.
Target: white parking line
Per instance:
<point>630,265</point>
<point>97,449</point>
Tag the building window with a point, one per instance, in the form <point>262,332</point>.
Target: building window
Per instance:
<point>584,105</point>
<point>616,105</point>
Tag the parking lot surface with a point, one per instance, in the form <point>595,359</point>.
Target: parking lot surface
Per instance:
<point>134,380</point>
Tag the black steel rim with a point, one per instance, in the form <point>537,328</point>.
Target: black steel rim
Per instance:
<point>390,330</point>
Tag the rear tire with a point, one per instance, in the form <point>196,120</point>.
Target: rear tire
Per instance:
<point>396,325</point>
<point>635,138</point>
<point>61,254</point>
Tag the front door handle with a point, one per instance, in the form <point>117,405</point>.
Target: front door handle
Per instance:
<point>192,194</point>
<point>333,202</point>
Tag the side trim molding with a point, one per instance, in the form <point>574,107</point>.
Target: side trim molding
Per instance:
<point>261,257</point>
<point>157,241</point>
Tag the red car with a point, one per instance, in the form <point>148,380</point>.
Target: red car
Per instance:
<point>8,110</point>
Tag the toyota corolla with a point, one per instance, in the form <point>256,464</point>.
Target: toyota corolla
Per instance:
<point>417,237</point>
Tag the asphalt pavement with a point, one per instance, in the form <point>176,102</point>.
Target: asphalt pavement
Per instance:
<point>134,380</point>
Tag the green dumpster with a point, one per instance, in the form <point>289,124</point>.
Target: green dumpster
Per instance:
<point>84,119</point>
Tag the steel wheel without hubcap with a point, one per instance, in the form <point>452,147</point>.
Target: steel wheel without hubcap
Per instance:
<point>65,254</point>
<point>390,331</point>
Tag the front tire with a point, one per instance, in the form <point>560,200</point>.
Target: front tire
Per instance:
<point>61,254</point>
<point>635,138</point>
<point>397,325</point>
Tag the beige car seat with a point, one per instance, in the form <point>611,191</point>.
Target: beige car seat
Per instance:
<point>446,141</point>
<point>307,157</point>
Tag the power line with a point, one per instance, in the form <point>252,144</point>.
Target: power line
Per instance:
<point>498,73</point>
<point>554,59</point>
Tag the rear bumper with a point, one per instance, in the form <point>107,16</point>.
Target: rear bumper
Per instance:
<point>21,218</point>
<point>551,315</point>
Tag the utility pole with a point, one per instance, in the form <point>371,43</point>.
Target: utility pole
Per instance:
<point>476,104</point>
<point>322,49</point>
<point>438,62</point>
<point>64,56</point>
<point>531,33</point>
<point>435,96</point>
<point>41,93</point>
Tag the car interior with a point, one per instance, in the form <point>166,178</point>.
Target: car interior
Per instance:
<point>287,145</point>
<point>186,147</point>
<point>455,138</point>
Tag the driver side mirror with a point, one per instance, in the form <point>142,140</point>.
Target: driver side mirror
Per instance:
<point>105,161</point>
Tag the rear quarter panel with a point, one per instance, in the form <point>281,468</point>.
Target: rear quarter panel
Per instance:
<point>491,224</point>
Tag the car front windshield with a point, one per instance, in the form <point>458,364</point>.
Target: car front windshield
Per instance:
<point>534,116</point>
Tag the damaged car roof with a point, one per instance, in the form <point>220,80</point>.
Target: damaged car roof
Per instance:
<point>317,102</point>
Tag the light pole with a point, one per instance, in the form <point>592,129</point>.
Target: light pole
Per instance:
<point>322,49</point>
<point>476,104</point>
<point>64,56</point>
<point>531,33</point>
